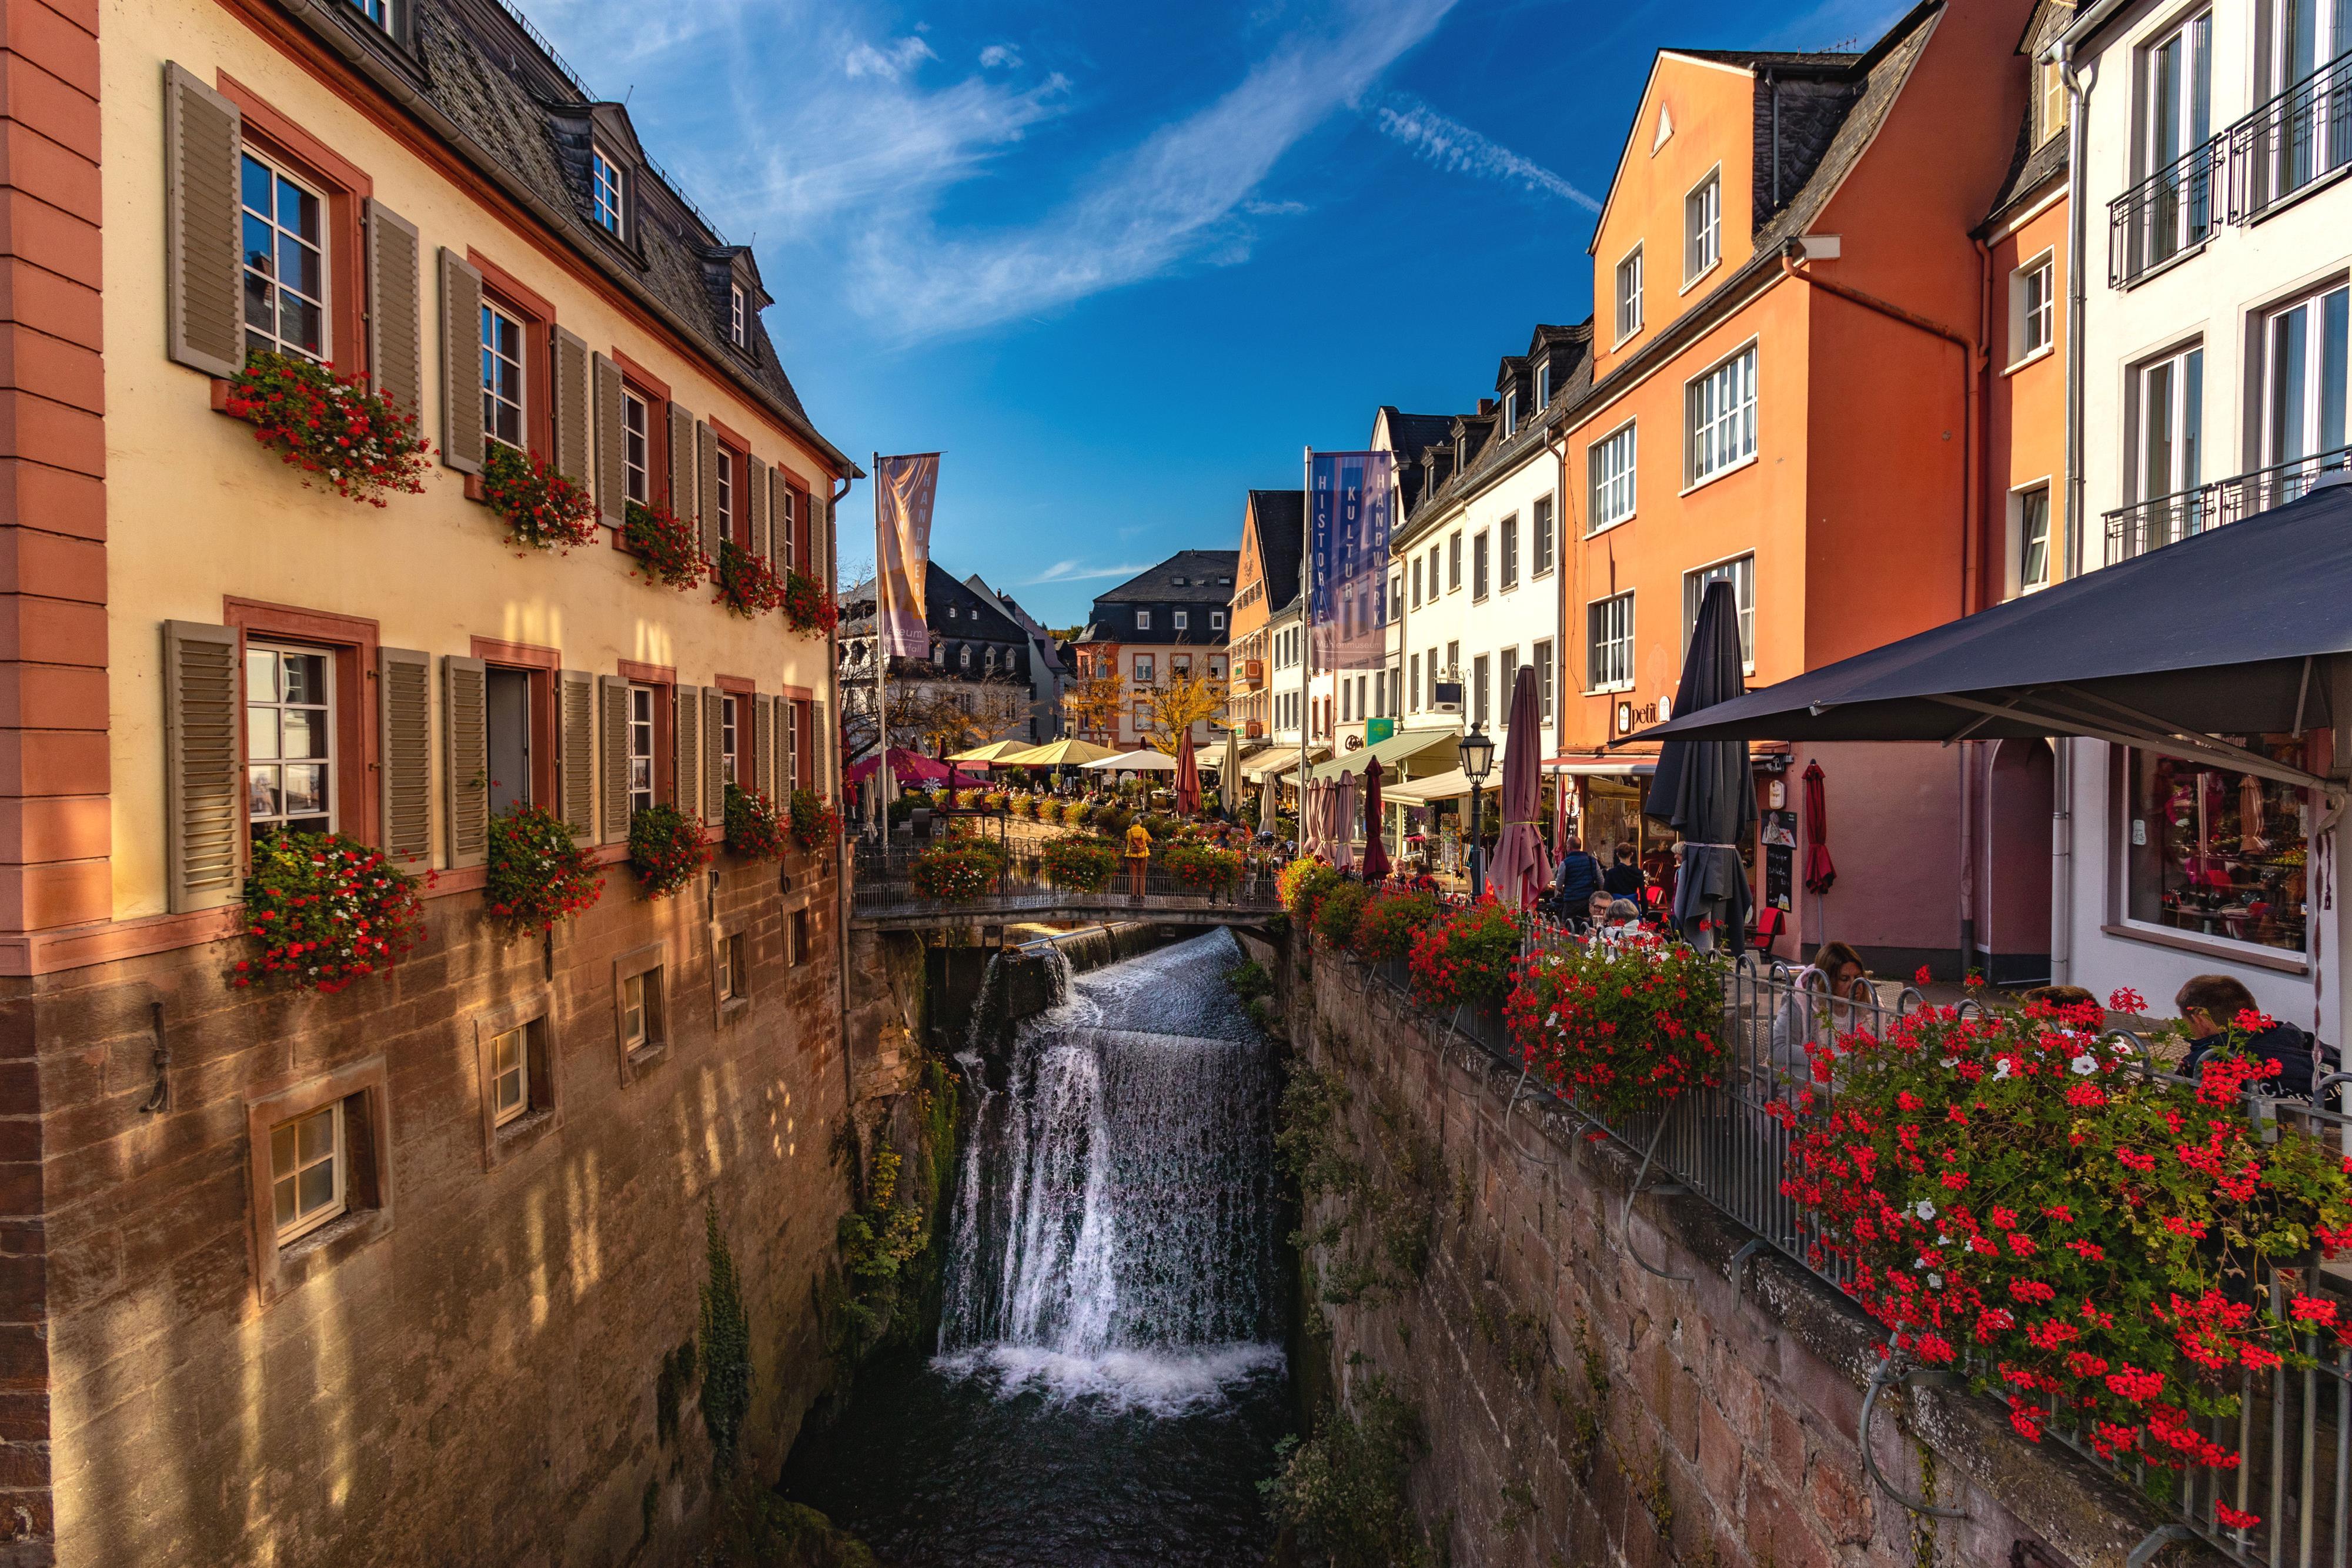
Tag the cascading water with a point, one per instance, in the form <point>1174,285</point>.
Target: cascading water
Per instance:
<point>1109,1378</point>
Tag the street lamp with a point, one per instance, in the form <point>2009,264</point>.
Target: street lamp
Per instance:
<point>1477,758</point>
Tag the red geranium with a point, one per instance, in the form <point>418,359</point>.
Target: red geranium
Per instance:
<point>323,911</point>
<point>1622,1027</point>
<point>344,436</point>
<point>1466,955</point>
<point>544,509</point>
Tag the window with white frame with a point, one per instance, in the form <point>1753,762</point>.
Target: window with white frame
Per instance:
<point>502,380</point>
<point>1510,411</point>
<point>1609,642</point>
<point>739,328</point>
<point>510,1075</point>
<point>730,965</point>
<point>1144,668</point>
<point>1506,668</point>
<point>2307,132</point>
<point>730,737</point>
<point>605,189</point>
<point>308,1174</point>
<point>2049,118</point>
<point>2168,411</point>
<point>2033,308</point>
<point>376,11</point>
<point>1629,294</point>
<point>641,747</point>
<point>1740,573</point>
<point>2029,539</point>
<point>2176,119</point>
<point>1143,620</point>
<point>1608,463</point>
<point>1454,563</point>
<point>1478,565</point>
<point>1722,417</point>
<point>1216,620</point>
<point>1703,227</point>
<point>1481,674</point>
<point>2303,382</point>
<point>285,263</point>
<point>637,455</point>
<point>726,486</point>
<point>1543,663</point>
<point>1412,682</point>
<point>1180,619</point>
<point>1543,385</point>
<point>289,749</point>
<point>641,1010</point>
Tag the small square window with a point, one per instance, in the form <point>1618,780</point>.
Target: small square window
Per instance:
<point>307,1170</point>
<point>1216,620</point>
<point>510,1075</point>
<point>1143,620</point>
<point>318,1187</point>
<point>800,938</point>
<point>640,1009</point>
<point>1180,618</point>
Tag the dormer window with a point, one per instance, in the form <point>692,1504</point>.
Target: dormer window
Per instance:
<point>1510,412</point>
<point>376,11</point>
<point>1461,452</point>
<point>605,180</point>
<point>1543,385</point>
<point>737,317</point>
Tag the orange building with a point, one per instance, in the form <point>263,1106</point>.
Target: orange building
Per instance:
<point>1274,529</point>
<point>1790,347</point>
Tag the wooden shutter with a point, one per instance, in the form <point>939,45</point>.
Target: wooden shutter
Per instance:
<point>396,305</point>
<point>789,773</point>
<point>204,830</point>
<point>575,762</point>
<point>573,420</point>
<point>612,476</point>
<point>714,765</point>
<point>758,490</point>
<point>820,534</point>
<point>820,739</point>
<point>405,754</point>
<point>706,496</point>
<point>466,735</point>
<point>681,461</point>
<point>763,745</point>
<point>461,363</point>
<point>613,758</point>
<point>204,143</point>
<point>685,754</point>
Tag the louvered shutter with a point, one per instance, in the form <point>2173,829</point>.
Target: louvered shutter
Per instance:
<point>681,461</point>
<point>405,754</point>
<point>612,476</point>
<point>714,763</point>
<point>395,303</point>
<point>573,420</point>
<point>763,745</point>
<point>685,754</point>
<point>203,140</point>
<point>758,490</point>
<point>465,737</point>
<point>820,745</point>
<point>612,757</point>
<point>820,538</point>
<point>787,525</point>
<point>204,830</point>
<point>461,363</point>
<point>575,762</point>
<point>706,496</point>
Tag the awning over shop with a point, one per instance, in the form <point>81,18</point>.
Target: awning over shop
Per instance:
<point>1280,758</point>
<point>2231,632</point>
<point>1394,752</point>
<point>1450,786</point>
<point>1602,767</point>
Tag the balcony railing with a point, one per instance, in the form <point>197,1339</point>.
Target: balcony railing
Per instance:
<point>2169,214</point>
<point>2292,141</point>
<point>2167,519</point>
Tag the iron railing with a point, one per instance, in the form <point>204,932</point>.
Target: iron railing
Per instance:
<point>2292,141</point>
<point>2294,1428</point>
<point>2150,524</point>
<point>2167,215</point>
<point>885,888</point>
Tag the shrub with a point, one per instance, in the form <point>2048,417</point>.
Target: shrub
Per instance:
<point>957,871</point>
<point>2093,1236</point>
<point>1161,826</point>
<point>1620,1028</point>
<point>968,799</point>
<point>807,606</point>
<point>1081,863</point>
<point>1336,915</point>
<point>1344,1491</point>
<point>1464,956</point>
<point>814,822</point>
<point>667,548</point>
<point>665,848</point>
<point>1077,813</point>
<point>323,911</point>
<point>997,800</point>
<point>748,585</point>
<point>1386,927</point>
<point>1301,884</point>
<point>543,510</point>
<point>539,873</point>
<point>1199,867</point>
<point>1249,980</point>
<point>755,829</point>
<point>1111,821</point>
<point>343,436</point>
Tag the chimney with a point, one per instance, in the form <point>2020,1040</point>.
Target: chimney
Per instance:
<point>1485,405</point>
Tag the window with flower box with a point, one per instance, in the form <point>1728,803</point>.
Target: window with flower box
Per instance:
<point>285,246</point>
<point>503,359</point>
<point>289,738</point>
<point>641,747</point>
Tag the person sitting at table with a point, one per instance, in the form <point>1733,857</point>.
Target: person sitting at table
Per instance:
<point>1623,917</point>
<point>2209,1006</point>
<point>1816,1014</point>
<point>1596,910</point>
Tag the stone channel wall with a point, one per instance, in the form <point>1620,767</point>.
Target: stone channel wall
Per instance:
<point>1578,1410</point>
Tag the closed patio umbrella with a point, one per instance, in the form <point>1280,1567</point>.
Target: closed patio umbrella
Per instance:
<point>1188,777</point>
<point>1342,819</point>
<point>1522,866</point>
<point>1269,804</point>
<point>1704,789</point>
<point>1376,854</point>
<point>1821,871</point>
<point>1229,774</point>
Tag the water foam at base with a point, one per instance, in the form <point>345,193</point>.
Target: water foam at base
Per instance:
<point>1164,1383</point>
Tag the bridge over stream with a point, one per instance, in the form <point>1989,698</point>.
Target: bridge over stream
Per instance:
<point>884,898</point>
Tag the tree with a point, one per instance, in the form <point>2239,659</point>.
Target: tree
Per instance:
<point>1095,699</point>
<point>931,715</point>
<point>1180,705</point>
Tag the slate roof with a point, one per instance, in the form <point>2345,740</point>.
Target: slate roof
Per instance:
<point>502,89</point>
<point>2034,165</point>
<point>1491,455</point>
<point>1281,539</point>
<point>1199,568</point>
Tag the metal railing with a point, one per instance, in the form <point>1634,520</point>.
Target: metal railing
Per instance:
<point>886,888</point>
<point>2293,1428</point>
<point>2169,214</point>
<point>2151,525</point>
<point>2291,142</point>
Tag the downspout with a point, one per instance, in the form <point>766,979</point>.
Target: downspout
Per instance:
<point>1971,752</point>
<point>841,890</point>
<point>2061,773</point>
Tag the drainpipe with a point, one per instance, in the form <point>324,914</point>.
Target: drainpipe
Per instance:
<point>841,891</point>
<point>2062,773</point>
<point>1972,368</point>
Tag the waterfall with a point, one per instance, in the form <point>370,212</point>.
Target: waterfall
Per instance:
<point>1115,1227</point>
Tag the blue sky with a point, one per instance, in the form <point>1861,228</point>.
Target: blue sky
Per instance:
<point>1121,263</point>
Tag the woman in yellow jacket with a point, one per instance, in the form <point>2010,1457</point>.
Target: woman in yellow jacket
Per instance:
<point>1138,856</point>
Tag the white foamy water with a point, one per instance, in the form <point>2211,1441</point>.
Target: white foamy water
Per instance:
<point>1158,1383</point>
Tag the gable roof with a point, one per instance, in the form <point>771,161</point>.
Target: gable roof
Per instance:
<point>1199,568</point>
<point>2036,164</point>
<point>1280,518</point>
<point>1494,453</point>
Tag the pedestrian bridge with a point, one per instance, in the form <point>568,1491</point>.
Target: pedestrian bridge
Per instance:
<point>884,898</point>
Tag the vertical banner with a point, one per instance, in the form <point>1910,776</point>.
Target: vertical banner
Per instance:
<point>903,491</point>
<point>1348,506</point>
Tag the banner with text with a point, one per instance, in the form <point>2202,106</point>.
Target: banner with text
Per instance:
<point>903,491</point>
<point>1348,503</point>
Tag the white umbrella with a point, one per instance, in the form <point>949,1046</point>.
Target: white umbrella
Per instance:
<point>1143,761</point>
<point>1229,773</point>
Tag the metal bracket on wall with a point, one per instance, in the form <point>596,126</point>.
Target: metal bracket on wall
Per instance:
<point>1754,1245</point>
<point>2158,1538</point>
<point>160,1100</point>
<point>1625,1216</point>
<point>1883,1375</point>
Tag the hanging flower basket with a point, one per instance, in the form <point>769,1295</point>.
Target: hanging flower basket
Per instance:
<point>1080,864</point>
<point>667,549</point>
<point>342,435</point>
<point>543,510</point>
<point>747,585</point>
<point>1624,1030</point>
<point>666,849</point>
<point>323,911</point>
<point>539,873</point>
<point>1464,957</point>
<point>807,606</point>
<point>814,822</point>
<point>755,829</point>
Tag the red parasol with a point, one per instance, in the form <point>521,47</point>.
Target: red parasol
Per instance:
<point>1187,779</point>
<point>1521,866</point>
<point>1820,870</point>
<point>1376,854</point>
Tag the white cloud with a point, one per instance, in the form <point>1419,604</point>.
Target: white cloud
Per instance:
<point>1456,148</point>
<point>891,64</point>
<point>1076,571</point>
<point>1000,57</point>
<point>1272,209</point>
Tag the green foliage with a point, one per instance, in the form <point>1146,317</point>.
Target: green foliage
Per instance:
<point>665,848</point>
<point>1306,1130</point>
<point>1250,982</point>
<point>758,1529</point>
<point>1336,917</point>
<point>1301,885</point>
<point>1343,1493</point>
<point>877,1241</point>
<point>1386,927</point>
<point>1080,864</point>
<point>725,1348</point>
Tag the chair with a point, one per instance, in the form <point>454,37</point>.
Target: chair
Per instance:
<point>1767,927</point>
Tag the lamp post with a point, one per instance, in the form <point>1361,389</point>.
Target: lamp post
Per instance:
<point>1477,757</point>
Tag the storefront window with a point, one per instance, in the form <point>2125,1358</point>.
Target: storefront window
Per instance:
<point>2218,853</point>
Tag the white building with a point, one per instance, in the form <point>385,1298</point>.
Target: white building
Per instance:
<point>2213,383</point>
